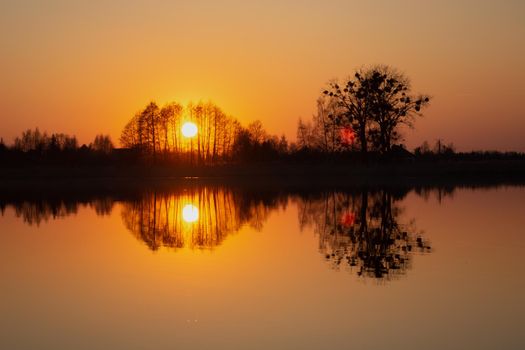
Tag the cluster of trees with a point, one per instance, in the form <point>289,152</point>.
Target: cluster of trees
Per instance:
<point>39,145</point>
<point>440,148</point>
<point>156,132</point>
<point>364,113</point>
<point>41,142</point>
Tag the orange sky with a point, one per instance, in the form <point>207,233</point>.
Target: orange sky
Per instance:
<point>87,67</point>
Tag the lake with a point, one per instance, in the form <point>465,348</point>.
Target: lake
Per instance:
<point>194,266</point>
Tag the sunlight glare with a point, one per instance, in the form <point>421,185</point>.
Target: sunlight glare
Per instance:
<point>189,129</point>
<point>190,213</point>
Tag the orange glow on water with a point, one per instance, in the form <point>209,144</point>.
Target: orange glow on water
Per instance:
<point>89,273</point>
<point>190,213</point>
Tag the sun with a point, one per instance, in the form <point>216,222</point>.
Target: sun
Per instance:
<point>189,129</point>
<point>190,213</point>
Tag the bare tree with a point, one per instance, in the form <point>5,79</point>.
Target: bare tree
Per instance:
<point>102,144</point>
<point>374,104</point>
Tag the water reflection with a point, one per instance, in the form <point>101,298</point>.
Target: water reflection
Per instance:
<point>197,217</point>
<point>362,230</point>
<point>36,211</point>
<point>190,213</point>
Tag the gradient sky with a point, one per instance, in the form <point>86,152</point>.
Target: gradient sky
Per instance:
<point>85,67</point>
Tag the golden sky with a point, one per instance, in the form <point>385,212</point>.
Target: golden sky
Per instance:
<point>85,67</point>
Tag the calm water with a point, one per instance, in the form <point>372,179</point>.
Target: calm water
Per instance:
<point>224,268</point>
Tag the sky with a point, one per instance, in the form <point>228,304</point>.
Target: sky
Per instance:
<point>86,67</point>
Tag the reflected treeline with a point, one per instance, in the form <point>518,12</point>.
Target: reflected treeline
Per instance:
<point>363,230</point>
<point>200,217</point>
<point>35,211</point>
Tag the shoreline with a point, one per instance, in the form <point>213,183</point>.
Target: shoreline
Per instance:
<point>443,173</point>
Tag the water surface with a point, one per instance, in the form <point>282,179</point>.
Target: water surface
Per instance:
<point>195,267</point>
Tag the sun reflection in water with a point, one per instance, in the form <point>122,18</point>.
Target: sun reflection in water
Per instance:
<point>190,213</point>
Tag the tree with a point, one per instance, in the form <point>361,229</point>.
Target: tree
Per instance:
<point>142,131</point>
<point>130,134</point>
<point>375,103</point>
<point>423,149</point>
<point>32,141</point>
<point>283,145</point>
<point>304,132</point>
<point>102,144</point>
<point>149,119</point>
<point>3,147</point>
<point>351,100</point>
<point>257,132</point>
<point>169,120</point>
<point>328,135</point>
<point>391,104</point>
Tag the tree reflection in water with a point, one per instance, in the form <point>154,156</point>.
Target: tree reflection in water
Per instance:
<point>36,211</point>
<point>200,217</point>
<point>362,230</point>
<point>359,229</point>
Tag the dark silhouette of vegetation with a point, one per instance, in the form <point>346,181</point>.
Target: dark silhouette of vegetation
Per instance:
<point>356,127</point>
<point>41,143</point>
<point>361,228</point>
<point>102,144</point>
<point>36,147</point>
<point>156,133</point>
<point>37,210</point>
<point>254,154</point>
<point>363,231</point>
<point>365,111</point>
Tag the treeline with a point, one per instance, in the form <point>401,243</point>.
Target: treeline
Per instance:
<point>357,120</point>
<point>442,150</point>
<point>156,133</point>
<point>36,146</point>
<point>359,229</point>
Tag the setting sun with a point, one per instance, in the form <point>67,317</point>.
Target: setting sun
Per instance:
<point>189,129</point>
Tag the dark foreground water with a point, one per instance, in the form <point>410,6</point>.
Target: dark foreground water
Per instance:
<point>211,267</point>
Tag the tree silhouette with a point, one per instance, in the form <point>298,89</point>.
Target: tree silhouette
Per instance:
<point>102,144</point>
<point>152,130</point>
<point>374,104</point>
<point>40,143</point>
<point>363,231</point>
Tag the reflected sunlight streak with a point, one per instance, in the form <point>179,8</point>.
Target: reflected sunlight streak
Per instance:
<point>190,213</point>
